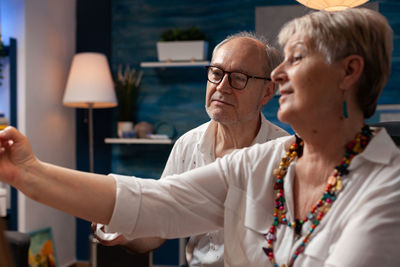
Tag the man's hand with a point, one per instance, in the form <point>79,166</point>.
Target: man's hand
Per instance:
<point>119,240</point>
<point>142,245</point>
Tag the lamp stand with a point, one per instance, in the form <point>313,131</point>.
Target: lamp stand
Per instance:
<point>91,166</point>
<point>92,240</point>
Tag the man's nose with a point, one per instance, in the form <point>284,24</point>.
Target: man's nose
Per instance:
<point>224,85</point>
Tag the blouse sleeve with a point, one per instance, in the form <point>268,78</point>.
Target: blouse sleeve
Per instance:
<point>182,205</point>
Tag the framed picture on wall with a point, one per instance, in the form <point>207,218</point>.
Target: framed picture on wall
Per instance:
<point>42,250</point>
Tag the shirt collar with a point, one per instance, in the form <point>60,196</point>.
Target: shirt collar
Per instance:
<point>380,149</point>
<point>207,140</point>
<point>263,132</point>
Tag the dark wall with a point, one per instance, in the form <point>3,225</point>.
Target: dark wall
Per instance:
<point>93,35</point>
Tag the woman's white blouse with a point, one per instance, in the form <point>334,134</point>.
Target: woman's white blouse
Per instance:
<point>236,192</point>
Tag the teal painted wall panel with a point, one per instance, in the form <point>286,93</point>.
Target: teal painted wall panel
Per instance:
<point>391,93</point>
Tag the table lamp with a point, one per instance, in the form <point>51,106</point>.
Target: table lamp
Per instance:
<point>331,5</point>
<point>90,86</point>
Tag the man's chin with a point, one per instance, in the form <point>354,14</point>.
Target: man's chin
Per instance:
<point>216,118</point>
<point>220,116</point>
<point>222,120</point>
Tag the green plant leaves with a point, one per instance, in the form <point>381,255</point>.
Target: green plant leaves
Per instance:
<point>189,34</point>
<point>127,87</point>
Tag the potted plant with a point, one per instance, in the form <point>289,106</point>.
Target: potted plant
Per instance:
<point>182,45</point>
<point>127,87</point>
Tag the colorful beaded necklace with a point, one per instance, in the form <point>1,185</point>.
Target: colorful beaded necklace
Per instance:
<point>322,206</point>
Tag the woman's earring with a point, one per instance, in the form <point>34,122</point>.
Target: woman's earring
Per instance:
<point>345,113</point>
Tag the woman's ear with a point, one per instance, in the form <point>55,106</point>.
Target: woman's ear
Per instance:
<point>353,69</point>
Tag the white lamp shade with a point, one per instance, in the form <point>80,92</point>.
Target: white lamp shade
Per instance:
<point>90,82</point>
<point>331,5</point>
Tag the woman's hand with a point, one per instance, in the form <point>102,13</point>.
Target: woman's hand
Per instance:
<point>75,192</point>
<point>16,155</point>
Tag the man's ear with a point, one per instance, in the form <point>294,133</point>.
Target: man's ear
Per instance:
<point>268,92</point>
<point>353,69</point>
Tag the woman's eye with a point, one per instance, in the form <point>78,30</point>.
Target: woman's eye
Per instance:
<point>297,57</point>
<point>294,59</point>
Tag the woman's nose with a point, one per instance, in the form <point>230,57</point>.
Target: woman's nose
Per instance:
<point>278,75</point>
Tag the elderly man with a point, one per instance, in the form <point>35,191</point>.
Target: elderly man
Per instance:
<point>239,85</point>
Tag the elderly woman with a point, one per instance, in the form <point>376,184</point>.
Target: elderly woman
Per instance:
<point>328,196</point>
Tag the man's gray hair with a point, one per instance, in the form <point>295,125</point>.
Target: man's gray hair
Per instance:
<point>273,58</point>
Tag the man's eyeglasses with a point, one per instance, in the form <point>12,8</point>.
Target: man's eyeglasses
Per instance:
<point>237,80</point>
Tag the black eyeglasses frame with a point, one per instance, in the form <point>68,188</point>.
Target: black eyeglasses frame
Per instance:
<point>229,77</point>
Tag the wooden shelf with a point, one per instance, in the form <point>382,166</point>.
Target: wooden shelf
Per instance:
<point>137,141</point>
<point>390,107</point>
<point>160,64</point>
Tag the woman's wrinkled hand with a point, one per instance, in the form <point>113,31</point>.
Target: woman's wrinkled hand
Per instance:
<point>16,155</point>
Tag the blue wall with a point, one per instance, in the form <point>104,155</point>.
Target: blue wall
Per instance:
<point>175,95</point>
<point>391,93</point>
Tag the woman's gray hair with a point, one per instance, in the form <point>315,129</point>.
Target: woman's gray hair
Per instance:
<point>354,31</point>
<point>273,58</point>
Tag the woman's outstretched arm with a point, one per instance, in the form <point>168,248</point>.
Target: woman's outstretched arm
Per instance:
<point>86,195</point>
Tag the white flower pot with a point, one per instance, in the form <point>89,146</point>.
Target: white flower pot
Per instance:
<point>182,50</point>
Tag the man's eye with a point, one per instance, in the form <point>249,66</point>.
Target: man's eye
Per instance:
<point>217,73</point>
<point>239,77</point>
